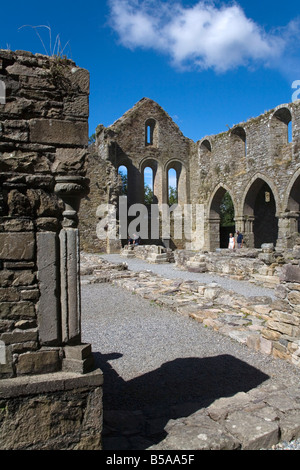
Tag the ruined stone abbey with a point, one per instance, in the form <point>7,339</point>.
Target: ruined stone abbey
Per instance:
<point>54,189</point>
<point>256,162</point>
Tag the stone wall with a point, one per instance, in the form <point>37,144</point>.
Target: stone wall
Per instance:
<point>255,265</point>
<point>125,144</point>
<point>254,161</point>
<point>43,152</point>
<point>282,330</point>
<point>104,189</point>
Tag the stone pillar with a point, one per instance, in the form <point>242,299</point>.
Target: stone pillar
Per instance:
<point>287,230</point>
<point>48,308</point>
<point>248,231</point>
<point>70,189</point>
<point>42,138</point>
<point>214,233</point>
<point>240,224</point>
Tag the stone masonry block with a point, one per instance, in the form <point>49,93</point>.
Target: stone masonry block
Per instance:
<point>290,273</point>
<point>17,310</point>
<point>53,131</point>
<point>17,246</point>
<point>78,352</point>
<point>48,305</point>
<point>40,362</point>
<point>19,336</point>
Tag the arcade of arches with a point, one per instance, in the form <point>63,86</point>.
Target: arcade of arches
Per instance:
<point>245,179</point>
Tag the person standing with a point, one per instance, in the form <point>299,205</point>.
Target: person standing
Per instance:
<point>239,239</point>
<point>231,244</point>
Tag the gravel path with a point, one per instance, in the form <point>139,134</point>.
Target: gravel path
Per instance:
<point>137,337</point>
<point>144,348</point>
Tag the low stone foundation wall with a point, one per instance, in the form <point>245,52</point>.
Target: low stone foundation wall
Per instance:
<point>257,265</point>
<point>150,253</point>
<point>282,330</point>
<point>270,325</point>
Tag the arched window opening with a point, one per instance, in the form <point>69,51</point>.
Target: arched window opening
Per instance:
<point>281,126</point>
<point>149,135</point>
<point>290,132</point>
<point>151,132</point>
<point>205,146</point>
<point>148,185</point>
<point>172,187</point>
<point>123,173</point>
<point>239,142</point>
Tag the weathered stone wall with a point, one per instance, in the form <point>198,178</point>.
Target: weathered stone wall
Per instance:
<point>43,151</point>
<point>43,143</point>
<point>36,416</point>
<point>125,144</point>
<point>254,161</point>
<point>282,330</point>
<point>104,189</point>
<point>241,161</point>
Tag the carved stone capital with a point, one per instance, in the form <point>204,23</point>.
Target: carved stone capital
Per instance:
<point>71,189</point>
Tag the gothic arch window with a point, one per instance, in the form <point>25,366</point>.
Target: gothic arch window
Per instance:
<point>172,186</point>
<point>123,173</point>
<point>238,142</point>
<point>205,148</point>
<point>148,185</point>
<point>151,132</point>
<point>281,126</point>
<point>176,178</point>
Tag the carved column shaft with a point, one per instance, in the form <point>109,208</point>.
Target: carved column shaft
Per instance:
<point>70,190</point>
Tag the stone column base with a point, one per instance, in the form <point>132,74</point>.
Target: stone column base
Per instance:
<point>56,411</point>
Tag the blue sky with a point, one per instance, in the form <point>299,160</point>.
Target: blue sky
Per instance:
<point>210,65</point>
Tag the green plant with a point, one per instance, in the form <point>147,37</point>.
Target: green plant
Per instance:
<point>148,195</point>
<point>54,50</point>
<point>173,197</point>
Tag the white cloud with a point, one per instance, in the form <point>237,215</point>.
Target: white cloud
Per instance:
<point>201,36</point>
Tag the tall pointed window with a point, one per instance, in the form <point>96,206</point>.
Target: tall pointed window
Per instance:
<point>151,132</point>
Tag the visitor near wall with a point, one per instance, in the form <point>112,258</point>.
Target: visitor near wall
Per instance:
<point>239,239</point>
<point>231,244</point>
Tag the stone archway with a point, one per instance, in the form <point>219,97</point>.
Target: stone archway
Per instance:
<point>181,181</point>
<point>218,239</point>
<point>294,202</point>
<point>290,217</point>
<point>261,223</point>
<point>156,183</point>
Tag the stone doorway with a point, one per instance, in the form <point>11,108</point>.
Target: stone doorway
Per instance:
<point>260,212</point>
<point>221,219</point>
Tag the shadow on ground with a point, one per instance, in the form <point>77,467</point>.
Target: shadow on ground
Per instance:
<point>136,411</point>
